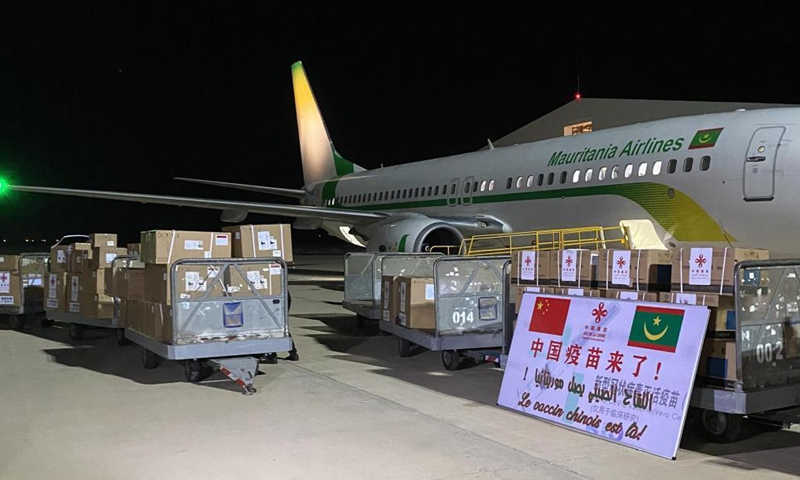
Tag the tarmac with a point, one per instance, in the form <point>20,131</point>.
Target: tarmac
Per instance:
<point>350,408</point>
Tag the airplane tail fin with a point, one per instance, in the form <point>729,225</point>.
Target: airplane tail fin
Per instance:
<point>321,161</point>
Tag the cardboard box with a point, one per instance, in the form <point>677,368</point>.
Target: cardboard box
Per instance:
<point>111,277</point>
<point>193,282</point>
<point>55,297</point>
<point>576,291</point>
<point>573,268</point>
<point>265,279</point>
<point>621,294</point>
<point>415,303</point>
<point>131,284</point>
<point>159,322</point>
<point>77,256</point>
<point>93,281</point>
<point>262,241</point>
<point>637,269</point>
<point>103,240</point>
<point>693,270</point>
<point>163,247</point>
<point>59,261</point>
<point>103,256</point>
<point>718,359</point>
<point>9,263</point>
<point>10,287</point>
<point>722,308</point>
<point>521,289</point>
<point>524,270</point>
<point>388,298</point>
<point>134,249</point>
<point>96,306</point>
<point>135,315</point>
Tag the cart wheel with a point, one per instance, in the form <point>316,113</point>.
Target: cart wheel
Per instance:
<point>46,323</point>
<point>75,331</point>
<point>293,356</point>
<point>193,370</point>
<point>451,359</point>
<point>17,322</point>
<point>122,340</point>
<point>361,321</point>
<point>403,347</point>
<point>149,359</point>
<point>271,359</point>
<point>722,427</point>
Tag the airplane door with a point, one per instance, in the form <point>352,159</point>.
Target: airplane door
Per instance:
<point>759,164</point>
<point>452,192</point>
<point>466,198</point>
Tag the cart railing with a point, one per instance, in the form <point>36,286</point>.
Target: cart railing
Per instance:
<point>228,300</point>
<point>767,297</point>
<point>363,271</point>
<point>470,294</point>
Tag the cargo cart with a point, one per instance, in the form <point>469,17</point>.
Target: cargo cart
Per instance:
<point>362,278</point>
<point>32,268</point>
<point>764,388</point>
<point>216,325</point>
<point>77,323</point>
<point>472,321</point>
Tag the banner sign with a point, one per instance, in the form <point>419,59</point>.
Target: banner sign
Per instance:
<point>619,370</point>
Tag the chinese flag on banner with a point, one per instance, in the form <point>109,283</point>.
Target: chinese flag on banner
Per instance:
<point>549,315</point>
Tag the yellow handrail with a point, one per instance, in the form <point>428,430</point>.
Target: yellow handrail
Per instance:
<point>595,237</point>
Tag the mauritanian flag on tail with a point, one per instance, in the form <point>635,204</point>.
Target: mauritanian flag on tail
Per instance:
<point>656,328</point>
<point>705,138</point>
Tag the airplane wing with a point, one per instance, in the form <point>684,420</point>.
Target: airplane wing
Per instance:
<point>284,192</point>
<point>299,211</point>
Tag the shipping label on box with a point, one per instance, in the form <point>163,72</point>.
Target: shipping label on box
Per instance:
<point>103,239</point>
<point>102,257</point>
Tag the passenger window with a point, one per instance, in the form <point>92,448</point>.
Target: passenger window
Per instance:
<point>540,180</point>
<point>643,169</point>
<point>705,163</point>
<point>687,164</point>
<point>430,190</point>
<point>672,165</point>
<point>601,175</point>
<point>416,192</point>
<point>405,193</point>
<point>628,170</point>
<point>453,189</point>
<point>466,187</point>
<point>563,177</point>
<point>657,167</point>
<point>508,182</point>
<point>519,182</point>
<point>491,185</point>
<point>436,190</point>
<point>483,186</point>
<point>588,176</point>
<point>550,177</point>
<point>615,172</point>
<point>576,176</point>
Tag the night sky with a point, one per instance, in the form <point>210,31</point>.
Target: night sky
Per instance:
<point>125,96</point>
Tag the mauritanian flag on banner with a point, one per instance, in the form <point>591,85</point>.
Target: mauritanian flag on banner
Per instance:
<point>549,315</point>
<point>705,138</point>
<point>656,328</point>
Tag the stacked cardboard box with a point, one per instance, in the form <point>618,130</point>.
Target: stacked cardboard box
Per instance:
<point>84,285</point>
<point>639,270</point>
<point>262,241</point>
<point>10,281</point>
<point>147,293</point>
<point>710,270</point>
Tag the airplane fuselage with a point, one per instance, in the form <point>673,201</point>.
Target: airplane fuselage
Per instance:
<point>729,178</point>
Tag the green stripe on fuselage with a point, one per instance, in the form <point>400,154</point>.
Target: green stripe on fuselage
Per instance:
<point>680,215</point>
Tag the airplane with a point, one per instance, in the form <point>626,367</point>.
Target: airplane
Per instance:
<point>725,179</point>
